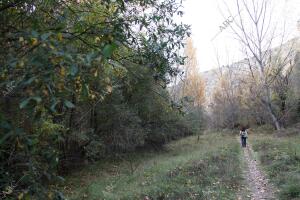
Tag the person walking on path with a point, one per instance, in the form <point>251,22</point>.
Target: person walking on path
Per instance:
<point>244,136</point>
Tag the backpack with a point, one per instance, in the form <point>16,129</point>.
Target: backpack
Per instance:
<point>243,133</point>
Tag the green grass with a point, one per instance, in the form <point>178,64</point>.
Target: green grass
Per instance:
<point>186,169</point>
<point>280,157</point>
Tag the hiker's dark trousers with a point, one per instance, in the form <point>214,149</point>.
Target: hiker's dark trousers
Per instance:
<point>244,141</point>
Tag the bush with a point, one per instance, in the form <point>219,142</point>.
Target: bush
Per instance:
<point>28,162</point>
<point>291,190</point>
<point>70,82</point>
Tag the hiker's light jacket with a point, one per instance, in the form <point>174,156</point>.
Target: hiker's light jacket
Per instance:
<point>243,134</point>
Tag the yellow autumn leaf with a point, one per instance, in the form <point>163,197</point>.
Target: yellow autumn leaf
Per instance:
<point>62,71</point>
<point>109,88</point>
<point>60,86</point>
<point>107,80</point>
<point>55,60</point>
<point>60,36</point>
<point>110,37</point>
<point>45,92</point>
<point>50,195</point>
<point>51,47</point>
<point>21,64</point>
<point>96,73</point>
<point>97,39</point>
<point>34,41</point>
<point>117,72</point>
<point>20,196</point>
<point>19,145</point>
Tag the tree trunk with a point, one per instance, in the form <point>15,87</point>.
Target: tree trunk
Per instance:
<point>275,120</point>
<point>268,103</point>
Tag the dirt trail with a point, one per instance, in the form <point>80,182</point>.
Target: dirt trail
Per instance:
<point>258,185</point>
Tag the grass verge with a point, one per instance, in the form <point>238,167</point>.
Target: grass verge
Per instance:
<point>280,157</point>
<point>186,169</point>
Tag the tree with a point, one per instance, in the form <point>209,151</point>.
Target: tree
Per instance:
<point>189,91</point>
<point>192,84</point>
<point>254,29</point>
<point>61,63</point>
<point>226,104</point>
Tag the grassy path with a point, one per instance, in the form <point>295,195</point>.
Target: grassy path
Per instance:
<point>187,169</point>
<point>257,182</point>
<point>215,167</point>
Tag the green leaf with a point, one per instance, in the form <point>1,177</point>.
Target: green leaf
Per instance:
<point>24,103</point>
<point>54,103</point>
<point>89,58</point>
<point>60,178</point>
<point>5,137</point>
<point>37,99</point>
<point>34,33</point>
<point>29,81</point>
<point>5,125</point>
<point>69,104</point>
<point>45,36</point>
<point>31,142</point>
<point>108,50</point>
<point>73,70</point>
<point>85,91</point>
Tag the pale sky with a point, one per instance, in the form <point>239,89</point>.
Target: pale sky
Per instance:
<point>205,18</point>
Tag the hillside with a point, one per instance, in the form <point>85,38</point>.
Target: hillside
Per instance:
<point>291,51</point>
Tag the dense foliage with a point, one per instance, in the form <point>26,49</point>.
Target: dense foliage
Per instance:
<point>80,80</point>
